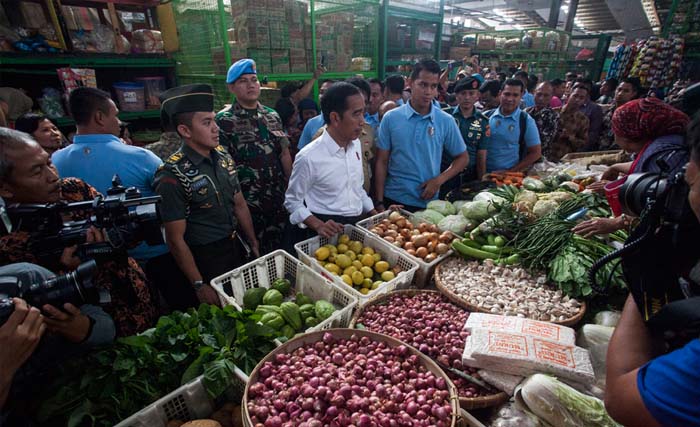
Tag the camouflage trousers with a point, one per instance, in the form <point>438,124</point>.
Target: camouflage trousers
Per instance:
<point>269,228</point>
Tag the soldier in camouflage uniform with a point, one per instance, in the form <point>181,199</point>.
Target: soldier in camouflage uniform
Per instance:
<point>168,144</point>
<point>255,138</point>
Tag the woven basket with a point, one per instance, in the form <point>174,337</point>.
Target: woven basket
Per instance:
<point>313,337</point>
<point>464,402</point>
<point>462,303</point>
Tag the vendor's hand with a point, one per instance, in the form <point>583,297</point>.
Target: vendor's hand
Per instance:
<point>610,174</point>
<point>597,226</point>
<point>207,295</point>
<point>329,228</point>
<point>598,187</point>
<point>71,323</point>
<point>19,337</point>
<point>395,207</point>
<point>430,188</point>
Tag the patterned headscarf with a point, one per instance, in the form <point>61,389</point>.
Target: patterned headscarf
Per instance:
<point>647,119</point>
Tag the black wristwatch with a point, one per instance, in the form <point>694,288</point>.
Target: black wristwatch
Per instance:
<point>379,203</point>
<point>197,285</point>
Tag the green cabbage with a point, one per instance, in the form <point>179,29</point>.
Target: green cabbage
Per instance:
<point>534,184</point>
<point>458,204</point>
<point>526,196</point>
<point>442,206</point>
<point>478,210</point>
<point>455,223</point>
<point>560,405</point>
<point>429,216</point>
<point>490,197</point>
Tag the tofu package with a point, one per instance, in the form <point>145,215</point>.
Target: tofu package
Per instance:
<point>523,355</point>
<point>519,325</point>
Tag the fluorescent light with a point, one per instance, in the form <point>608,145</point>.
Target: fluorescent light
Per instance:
<point>498,11</point>
<point>565,8</point>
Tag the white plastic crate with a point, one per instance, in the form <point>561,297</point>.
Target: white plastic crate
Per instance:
<point>425,270</point>
<point>279,264</point>
<point>189,402</point>
<point>389,253</point>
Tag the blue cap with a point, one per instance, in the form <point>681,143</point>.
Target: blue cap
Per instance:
<point>478,77</point>
<point>240,67</point>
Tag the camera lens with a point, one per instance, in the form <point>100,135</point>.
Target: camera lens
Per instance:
<point>75,287</point>
<point>639,189</point>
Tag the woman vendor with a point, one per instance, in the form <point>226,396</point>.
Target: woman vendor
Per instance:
<point>651,130</point>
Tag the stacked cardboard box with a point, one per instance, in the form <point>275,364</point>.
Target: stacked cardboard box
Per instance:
<point>297,61</point>
<point>279,60</point>
<point>334,34</point>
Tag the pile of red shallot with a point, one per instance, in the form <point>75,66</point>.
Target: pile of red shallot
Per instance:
<point>432,324</point>
<point>348,382</point>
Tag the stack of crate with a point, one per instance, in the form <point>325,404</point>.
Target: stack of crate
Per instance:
<point>334,32</point>
<point>297,17</point>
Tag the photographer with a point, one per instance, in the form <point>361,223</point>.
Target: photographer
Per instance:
<point>30,340</point>
<point>644,386</point>
<point>27,176</point>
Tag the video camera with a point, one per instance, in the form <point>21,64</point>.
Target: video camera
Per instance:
<point>75,287</point>
<point>661,252</point>
<point>126,217</point>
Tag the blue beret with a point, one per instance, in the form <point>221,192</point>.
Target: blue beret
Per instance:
<point>240,67</point>
<point>478,77</point>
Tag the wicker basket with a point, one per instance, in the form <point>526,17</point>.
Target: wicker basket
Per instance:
<point>462,303</point>
<point>425,270</point>
<point>263,271</point>
<point>464,402</point>
<point>313,337</point>
<point>389,253</point>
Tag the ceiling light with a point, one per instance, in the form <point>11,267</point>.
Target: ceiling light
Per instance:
<point>508,19</point>
<point>565,8</point>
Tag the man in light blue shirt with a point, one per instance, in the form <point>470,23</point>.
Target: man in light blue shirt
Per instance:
<point>528,100</point>
<point>510,148</point>
<point>315,123</point>
<point>376,98</point>
<point>97,154</point>
<point>412,139</point>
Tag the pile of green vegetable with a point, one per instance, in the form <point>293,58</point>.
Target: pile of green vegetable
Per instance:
<point>106,386</point>
<point>286,318</point>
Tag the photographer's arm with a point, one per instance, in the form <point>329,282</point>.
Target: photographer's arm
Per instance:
<point>631,346</point>
<point>19,337</point>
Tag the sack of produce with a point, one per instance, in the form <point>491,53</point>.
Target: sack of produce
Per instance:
<point>519,354</point>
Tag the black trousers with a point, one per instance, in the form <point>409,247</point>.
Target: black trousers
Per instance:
<point>163,272</point>
<point>217,258</point>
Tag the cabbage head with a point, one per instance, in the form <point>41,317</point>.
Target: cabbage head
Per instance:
<point>458,204</point>
<point>442,206</point>
<point>455,223</point>
<point>527,196</point>
<point>428,216</point>
<point>478,210</point>
<point>543,207</point>
<point>490,197</point>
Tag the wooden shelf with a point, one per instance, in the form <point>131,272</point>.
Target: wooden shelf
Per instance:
<point>125,116</point>
<point>96,60</point>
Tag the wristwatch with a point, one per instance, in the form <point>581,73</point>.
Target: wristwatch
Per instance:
<point>379,203</point>
<point>197,285</point>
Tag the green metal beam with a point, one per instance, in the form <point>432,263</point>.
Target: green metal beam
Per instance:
<point>98,61</point>
<point>669,18</point>
<point>224,32</point>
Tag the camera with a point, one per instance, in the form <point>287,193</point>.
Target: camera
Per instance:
<point>75,287</point>
<point>127,218</point>
<point>661,252</point>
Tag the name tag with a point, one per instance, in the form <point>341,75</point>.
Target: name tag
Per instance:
<point>200,183</point>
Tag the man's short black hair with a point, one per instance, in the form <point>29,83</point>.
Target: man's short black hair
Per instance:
<point>183,119</point>
<point>557,82</point>
<point>288,89</point>
<point>336,99</point>
<point>377,82</point>
<point>429,65</point>
<point>521,73</point>
<point>84,101</point>
<point>362,84</point>
<point>29,122</point>
<point>514,82</point>
<point>285,108</point>
<point>491,86</point>
<point>635,82</point>
<point>583,86</point>
<point>586,81</point>
<point>395,84</point>
<point>502,76</point>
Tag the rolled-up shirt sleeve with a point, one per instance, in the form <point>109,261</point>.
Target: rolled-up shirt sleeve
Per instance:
<point>297,189</point>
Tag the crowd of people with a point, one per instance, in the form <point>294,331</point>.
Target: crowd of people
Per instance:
<point>251,179</point>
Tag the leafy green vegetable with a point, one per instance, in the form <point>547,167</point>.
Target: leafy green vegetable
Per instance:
<point>478,210</point>
<point>561,405</point>
<point>108,385</point>
<point>533,184</point>
<point>324,309</point>
<point>442,206</point>
<point>428,216</point>
<point>273,297</point>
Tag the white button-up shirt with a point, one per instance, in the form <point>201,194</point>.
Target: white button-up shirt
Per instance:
<point>328,179</point>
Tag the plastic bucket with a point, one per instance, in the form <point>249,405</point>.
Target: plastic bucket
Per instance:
<point>131,96</point>
<point>153,87</point>
<point>612,193</point>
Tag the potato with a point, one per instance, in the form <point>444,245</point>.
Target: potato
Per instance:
<point>223,417</point>
<point>175,423</point>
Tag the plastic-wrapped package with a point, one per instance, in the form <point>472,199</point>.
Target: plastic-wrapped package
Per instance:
<point>50,103</point>
<point>147,41</point>
<point>511,415</point>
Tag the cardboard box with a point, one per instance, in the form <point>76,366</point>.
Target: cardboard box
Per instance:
<point>298,61</point>
<point>279,61</point>
<point>262,60</point>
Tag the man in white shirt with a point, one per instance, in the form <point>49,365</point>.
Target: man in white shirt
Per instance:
<point>325,190</point>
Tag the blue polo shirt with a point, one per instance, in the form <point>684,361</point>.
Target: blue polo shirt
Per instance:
<point>503,149</point>
<point>97,158</point>
<point>670,386</point>
<point>310,128</point>
<point>372,120</point>
<point>528,100</point>
<point>416,144</point>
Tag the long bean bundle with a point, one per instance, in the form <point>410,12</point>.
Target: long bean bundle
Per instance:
<point>540,242</point>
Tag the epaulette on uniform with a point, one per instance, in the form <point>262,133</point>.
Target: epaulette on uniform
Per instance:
<point>175,157</point>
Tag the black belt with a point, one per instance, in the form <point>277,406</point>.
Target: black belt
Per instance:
<point>339,218</point>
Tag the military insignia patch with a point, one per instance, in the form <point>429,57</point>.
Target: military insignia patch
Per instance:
<point>199,184</point>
